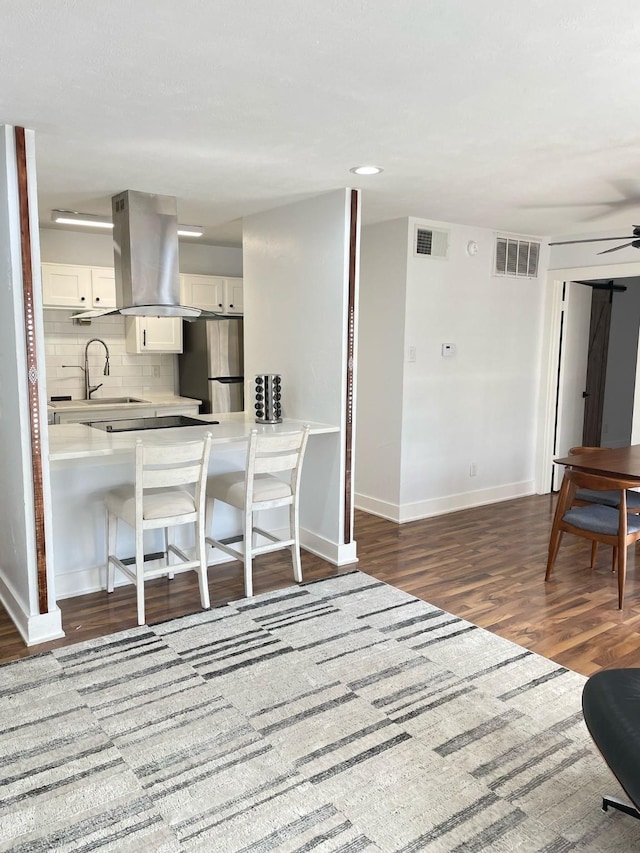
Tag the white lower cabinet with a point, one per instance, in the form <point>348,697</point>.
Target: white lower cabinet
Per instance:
<point>153,334</point>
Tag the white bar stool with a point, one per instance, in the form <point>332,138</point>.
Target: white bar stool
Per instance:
<point>159,499</point>
<point>258,488</point>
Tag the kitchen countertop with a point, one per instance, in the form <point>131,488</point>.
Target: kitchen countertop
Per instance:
<point>80,441</point>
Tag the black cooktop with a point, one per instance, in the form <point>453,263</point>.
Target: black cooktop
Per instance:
<point>162,422</point>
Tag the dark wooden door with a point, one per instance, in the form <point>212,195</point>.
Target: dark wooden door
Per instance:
<point>596,366</point>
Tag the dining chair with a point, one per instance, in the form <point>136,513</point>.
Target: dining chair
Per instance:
<point>606,497</point>
<point>271,479</point>
<point>169,490</point>
<point>595,522</point>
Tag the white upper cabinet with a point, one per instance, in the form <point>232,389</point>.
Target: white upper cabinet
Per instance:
<point>103,287</point>
<point>212,293</point>
<point>233,296</point>
<point>71,286</point>
<point>153,334</point>
<point>202,291</point>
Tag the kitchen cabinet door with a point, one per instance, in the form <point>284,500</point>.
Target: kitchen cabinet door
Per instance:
<point>103,287</point>
<point>202,291</point>
<point>233,296</point>
<point>66,286</point>
<point>153,334</point>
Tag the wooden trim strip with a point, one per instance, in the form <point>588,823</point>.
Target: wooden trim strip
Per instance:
<point>32,367</point>
<point>351,326</point>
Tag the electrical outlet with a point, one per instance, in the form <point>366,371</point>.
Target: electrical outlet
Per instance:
<point>156,371</point>
<point>473,469</point>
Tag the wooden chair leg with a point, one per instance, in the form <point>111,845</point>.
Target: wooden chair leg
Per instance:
<point>594,553</point>
<point>614,559</point>
<point>622,572</point>
<point>554,545</point>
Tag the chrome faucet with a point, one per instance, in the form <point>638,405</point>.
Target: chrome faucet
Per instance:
<point>88,387</point>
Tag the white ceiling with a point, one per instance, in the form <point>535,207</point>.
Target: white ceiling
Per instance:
<point>518,116</point>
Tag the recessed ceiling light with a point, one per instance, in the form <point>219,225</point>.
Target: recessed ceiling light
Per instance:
<point>72,217</point>
<point>366,170</point>
<point>190,231</point>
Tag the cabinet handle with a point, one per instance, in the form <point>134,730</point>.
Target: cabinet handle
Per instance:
<point>219,304</point>
<point>144,338</point>
<point>82,298</point>
<point>231,306</point>
<point>97,299</point>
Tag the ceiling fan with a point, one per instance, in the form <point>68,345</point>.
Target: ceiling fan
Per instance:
<point>634,238</point>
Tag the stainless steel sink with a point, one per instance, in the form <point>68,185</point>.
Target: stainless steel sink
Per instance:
<point>105,401</point>
<point>111,400</point>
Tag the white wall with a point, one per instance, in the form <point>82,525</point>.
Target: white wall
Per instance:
<point>479,407</point>
<point>295,296</point>
<point>381,344</point>
<point>58,246</point>
<point>18,563</point>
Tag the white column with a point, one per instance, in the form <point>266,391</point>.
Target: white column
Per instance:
<point>296,284</point>
<point>18,556</point>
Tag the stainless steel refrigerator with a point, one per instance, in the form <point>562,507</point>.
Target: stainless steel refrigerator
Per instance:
<point>211,365</point>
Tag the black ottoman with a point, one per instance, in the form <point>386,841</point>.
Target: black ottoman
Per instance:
<point>611,707</point>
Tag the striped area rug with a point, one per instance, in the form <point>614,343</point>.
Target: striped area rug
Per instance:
<point>339,716</point>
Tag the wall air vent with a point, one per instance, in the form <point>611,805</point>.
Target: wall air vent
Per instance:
<point>516,257</point>
<point>429,242</point>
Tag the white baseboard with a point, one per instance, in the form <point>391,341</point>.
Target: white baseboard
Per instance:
<point>333,552</point>
<point>33,628</point>
<point>440,506</point>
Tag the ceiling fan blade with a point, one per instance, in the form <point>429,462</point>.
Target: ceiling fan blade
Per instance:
<point>616,248</point>
<point>592,240</point>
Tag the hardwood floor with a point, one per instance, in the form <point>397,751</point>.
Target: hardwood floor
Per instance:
<point>485,564</point>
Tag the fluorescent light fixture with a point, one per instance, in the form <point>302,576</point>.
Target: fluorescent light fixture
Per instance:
<point>72,217</point>
<point>366,170</point>
<point>190,231</point>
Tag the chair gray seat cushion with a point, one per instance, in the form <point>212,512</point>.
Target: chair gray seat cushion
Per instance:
<point>611,707</point>
<point>599,519</point>
<point>608,497</point>
<point>230,488</point>
<point>157,503</point>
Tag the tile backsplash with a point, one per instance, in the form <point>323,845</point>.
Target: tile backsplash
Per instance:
<point>130,375</point>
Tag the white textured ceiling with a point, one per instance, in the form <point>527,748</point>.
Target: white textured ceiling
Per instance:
<point>522,116</point>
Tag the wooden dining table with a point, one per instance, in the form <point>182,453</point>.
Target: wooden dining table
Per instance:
<point>612,462</point>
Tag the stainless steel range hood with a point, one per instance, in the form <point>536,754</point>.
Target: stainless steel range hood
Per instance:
<point>145,245</point>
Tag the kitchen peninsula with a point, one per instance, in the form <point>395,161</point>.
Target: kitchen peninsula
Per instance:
<point>86,462</point>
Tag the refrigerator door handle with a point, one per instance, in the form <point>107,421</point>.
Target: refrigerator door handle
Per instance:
<point>227,380</point>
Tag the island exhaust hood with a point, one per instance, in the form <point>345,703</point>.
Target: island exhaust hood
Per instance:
<point>145,246</point>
